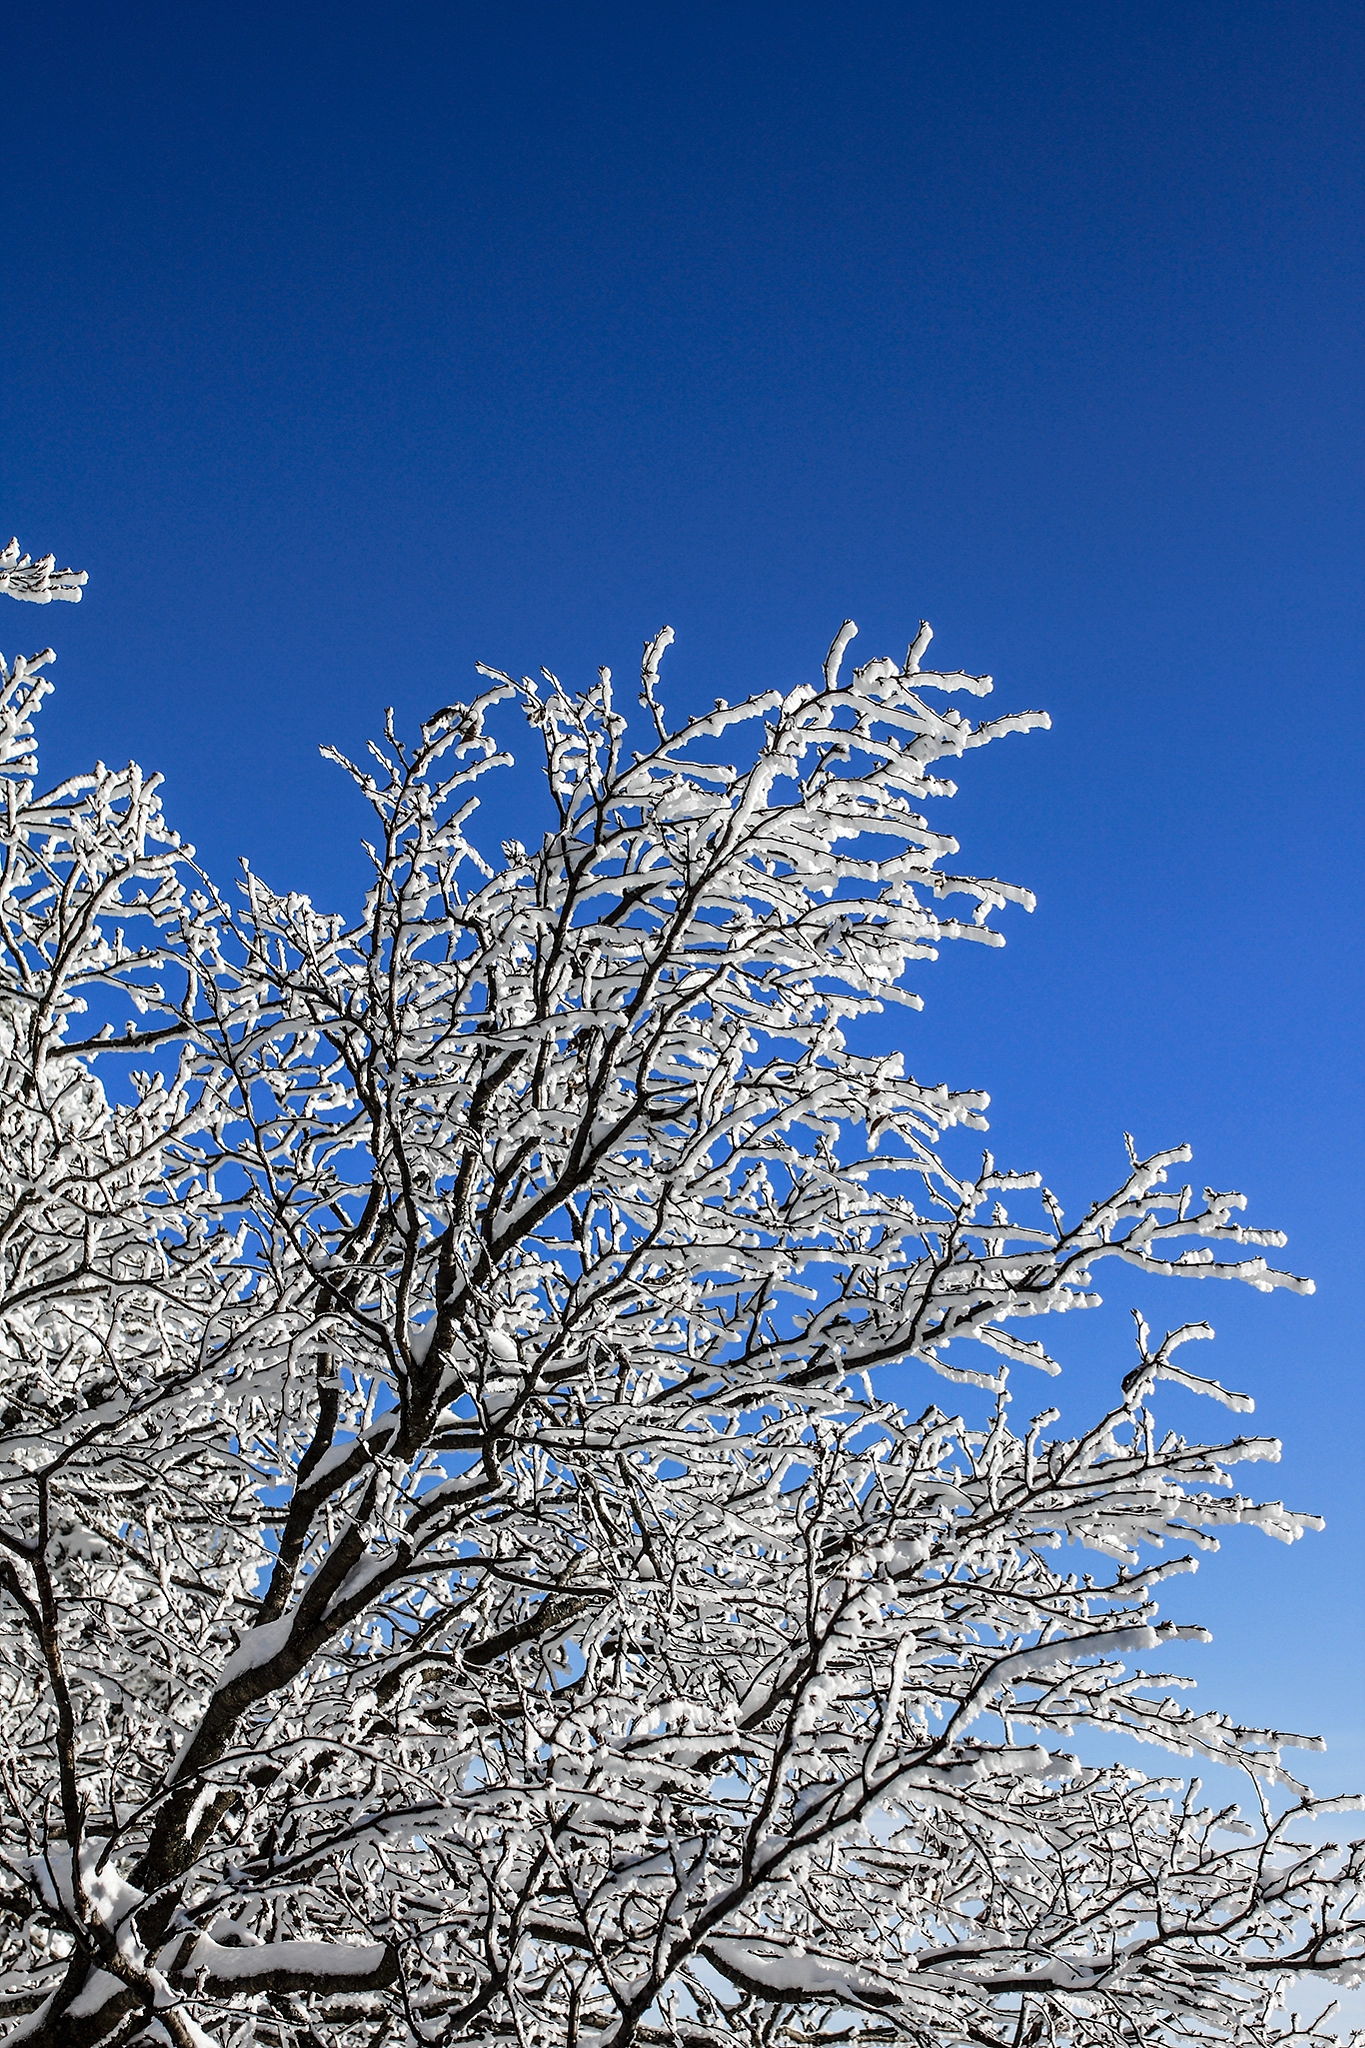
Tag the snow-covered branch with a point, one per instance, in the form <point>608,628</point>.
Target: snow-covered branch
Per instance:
<point>38,582</point>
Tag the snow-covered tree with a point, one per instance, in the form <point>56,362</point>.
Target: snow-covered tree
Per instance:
<point>460,1580</point>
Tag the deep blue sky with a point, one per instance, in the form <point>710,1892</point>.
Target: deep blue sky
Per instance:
<point>343,348</point>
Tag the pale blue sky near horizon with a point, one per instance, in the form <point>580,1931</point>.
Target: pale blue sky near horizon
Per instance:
<point>344,350</point>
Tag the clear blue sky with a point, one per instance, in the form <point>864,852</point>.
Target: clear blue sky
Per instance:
<point>344,347</point>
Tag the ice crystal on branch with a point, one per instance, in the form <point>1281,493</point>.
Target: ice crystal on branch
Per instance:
<point>461,1582</point>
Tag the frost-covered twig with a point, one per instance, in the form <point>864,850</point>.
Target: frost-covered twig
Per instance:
<point>41,581</point>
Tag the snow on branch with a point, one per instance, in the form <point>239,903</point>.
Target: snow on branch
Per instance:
<point>38,582</point>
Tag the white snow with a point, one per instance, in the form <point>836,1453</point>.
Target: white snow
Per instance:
<point>321,1959</point>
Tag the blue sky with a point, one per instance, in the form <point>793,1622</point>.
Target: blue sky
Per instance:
<point>344,349</point>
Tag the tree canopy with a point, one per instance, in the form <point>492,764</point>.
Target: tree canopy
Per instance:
<point>461,1579</point>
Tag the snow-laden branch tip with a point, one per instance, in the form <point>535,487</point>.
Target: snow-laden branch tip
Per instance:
<point>40,581</point>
